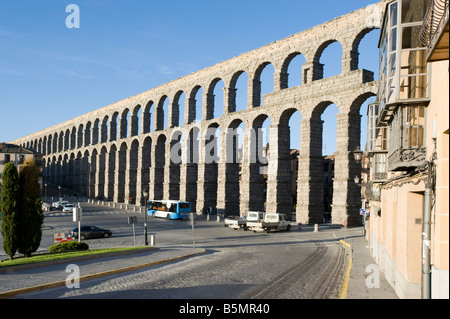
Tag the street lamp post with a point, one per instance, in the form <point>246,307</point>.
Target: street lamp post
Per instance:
<point>145,193</point>
<point>59,192</point>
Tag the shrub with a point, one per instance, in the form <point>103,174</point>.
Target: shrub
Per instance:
<point>68,246</point>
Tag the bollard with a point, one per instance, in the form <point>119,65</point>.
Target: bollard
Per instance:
<point>152,240</point>
<point>316,228</point>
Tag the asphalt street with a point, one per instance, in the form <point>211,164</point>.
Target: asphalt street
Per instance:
<point>236,263</point>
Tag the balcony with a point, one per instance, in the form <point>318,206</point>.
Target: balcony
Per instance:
<point>406,139</point>
<point>434,33</point>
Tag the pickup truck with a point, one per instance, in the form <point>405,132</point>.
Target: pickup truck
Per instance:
<point>235,222</point>
<point>271,222</point>
<point>241,222</point>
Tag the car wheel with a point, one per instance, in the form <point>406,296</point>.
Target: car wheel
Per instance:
<point>83,237</point>
<point>106,235</point>
<point>168,216</point>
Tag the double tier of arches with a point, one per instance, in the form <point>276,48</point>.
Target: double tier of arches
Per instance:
<point>119,151</point>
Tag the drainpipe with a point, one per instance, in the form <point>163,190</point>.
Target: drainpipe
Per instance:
<point>426,236</point>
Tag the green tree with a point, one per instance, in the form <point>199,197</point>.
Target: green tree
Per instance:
<point>31,216</point>
<point>9,206</point>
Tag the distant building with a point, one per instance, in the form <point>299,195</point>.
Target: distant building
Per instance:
<point>10,153</point>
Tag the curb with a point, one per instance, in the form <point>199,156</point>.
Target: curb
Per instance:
<point>11,293</point>
<point>62,261</point>
<point>343,294</point>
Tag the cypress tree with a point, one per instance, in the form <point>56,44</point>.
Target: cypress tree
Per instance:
<point>9,206</point>
<point>30,209</point>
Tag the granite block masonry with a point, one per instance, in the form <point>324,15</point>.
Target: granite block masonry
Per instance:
<point>118,151</point>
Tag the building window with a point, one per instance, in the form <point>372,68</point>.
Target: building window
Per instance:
<point>404,74</point>
<point>413,126</point>
<point>379,167</point>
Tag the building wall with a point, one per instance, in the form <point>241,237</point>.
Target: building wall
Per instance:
<point>395,236</point>
<point>439,114</point>
<point>396,231</point>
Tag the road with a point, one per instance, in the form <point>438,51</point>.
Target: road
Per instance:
<point>237,264</point>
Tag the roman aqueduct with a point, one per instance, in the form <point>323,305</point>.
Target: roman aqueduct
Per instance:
<point>118,151</point>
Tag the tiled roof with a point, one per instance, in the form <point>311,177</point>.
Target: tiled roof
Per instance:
<point>12,148</point>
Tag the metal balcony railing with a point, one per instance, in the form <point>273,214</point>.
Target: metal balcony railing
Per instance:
<point>434,21</point>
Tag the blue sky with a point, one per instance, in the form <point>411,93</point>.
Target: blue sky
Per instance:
<point>50,74</point>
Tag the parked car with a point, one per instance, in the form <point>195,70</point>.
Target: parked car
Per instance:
<point>91,232</point>
<point>68,208</point>
<point>59,204</point>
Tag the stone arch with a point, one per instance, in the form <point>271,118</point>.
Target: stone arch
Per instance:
<point>354,53</point>
<point>123,162</point>
<point>95,132</point>
<point>208,168</point>
<point>228,187</point>
<point>255,177</point>
<point>39,148</point>
<point>286,80</point>
<point>65,170</point>
<point>135,121</point>
<point>146,160</point>
<point>55,143</point>
<point>102,174</point>
<point>213,110</point>
<point>84,172</point>
<point>104,129</point>
<point>175,160</point>
<point>258,92</point>
<point>92,173</point>
<point>237,101</point>
<point>88,134</point>
<point>111,163</point>
<point>148,122</point>
<point>159,169</point>
<point>60,141</point>
<point>188,189</point>
<point>124,120</point>
<point>162,113</point>
<point>80,134</point>
<point>49,144</point>
<point>113,126</point>
<point>132,171</point>
<point>318,68</point>
<point>177,111</point>
<point>195,109</point>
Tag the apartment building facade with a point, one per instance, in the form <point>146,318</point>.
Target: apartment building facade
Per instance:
<point>408,146</point>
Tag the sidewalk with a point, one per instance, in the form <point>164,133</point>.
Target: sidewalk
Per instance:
<point>38,277</point>
<point>362,277</point>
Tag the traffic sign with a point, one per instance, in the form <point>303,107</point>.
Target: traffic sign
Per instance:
<point>364,212</point>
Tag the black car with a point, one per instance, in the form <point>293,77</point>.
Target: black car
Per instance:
<point>91,232</point>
